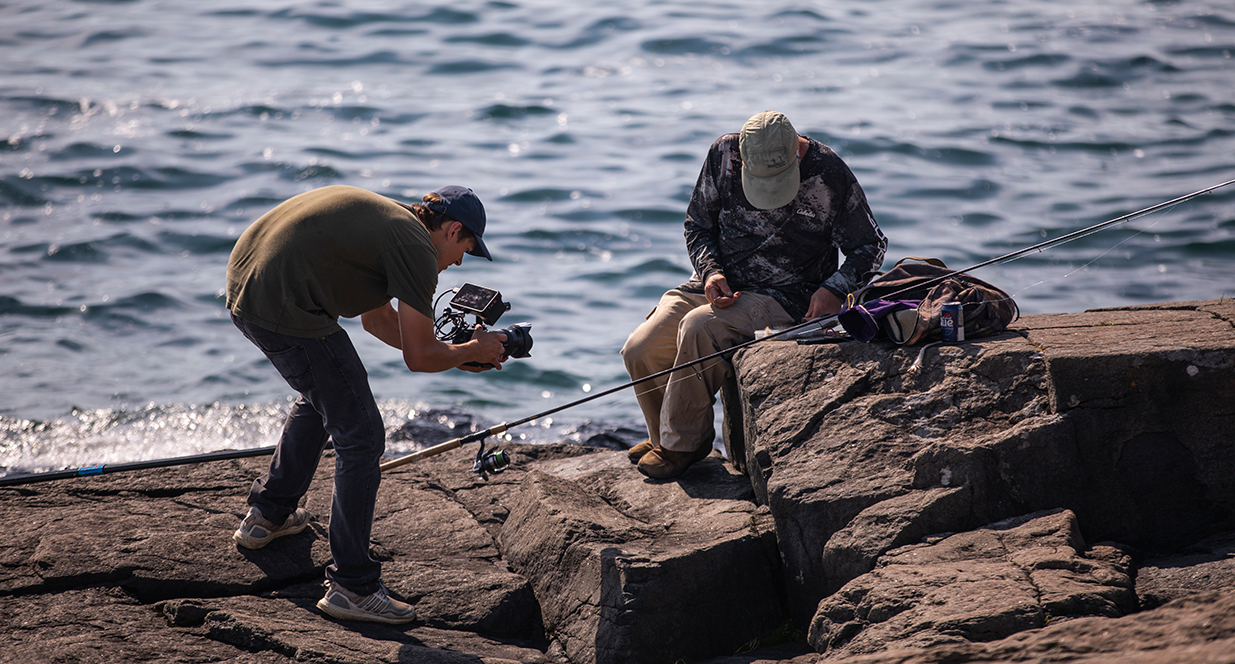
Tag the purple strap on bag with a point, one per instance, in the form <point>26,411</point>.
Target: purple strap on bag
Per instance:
<point>862,321</point>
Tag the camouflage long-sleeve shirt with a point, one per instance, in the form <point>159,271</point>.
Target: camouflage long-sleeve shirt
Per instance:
<point>790,252</point>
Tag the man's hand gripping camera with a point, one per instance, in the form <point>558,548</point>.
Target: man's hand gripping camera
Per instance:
<point>487,306</point>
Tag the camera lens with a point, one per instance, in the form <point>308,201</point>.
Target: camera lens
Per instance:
<point>518,340</point>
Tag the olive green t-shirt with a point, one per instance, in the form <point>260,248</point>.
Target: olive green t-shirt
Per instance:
<point>331,252</point>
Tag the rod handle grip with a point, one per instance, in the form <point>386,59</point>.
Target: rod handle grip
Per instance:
<point>417,456</point>
<point>442,447</point>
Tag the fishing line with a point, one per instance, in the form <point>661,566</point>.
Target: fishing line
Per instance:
<point>637,392</point>
<point>480,436</point>
<point>822,322</point>
<point>1086,232</point>
<point>1090,230</point>
<point>1097,258</point>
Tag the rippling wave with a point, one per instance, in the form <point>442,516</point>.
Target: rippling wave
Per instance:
<point>137,144</point>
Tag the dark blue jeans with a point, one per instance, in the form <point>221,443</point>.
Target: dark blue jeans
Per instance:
<point>335,403</point>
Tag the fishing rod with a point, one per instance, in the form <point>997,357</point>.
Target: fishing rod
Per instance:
<point>102,469</point>
<point>1062,239</point>
<point>1090,229</point>
<point>498,460</point>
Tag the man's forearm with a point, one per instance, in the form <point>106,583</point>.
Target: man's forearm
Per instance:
<point>701,249</point>
<point>383,323</point>
<point>439,356</point>
<point>423,352</point>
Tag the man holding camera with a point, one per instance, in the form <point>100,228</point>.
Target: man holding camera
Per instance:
<point>766,218</point>
<point>344,252</point>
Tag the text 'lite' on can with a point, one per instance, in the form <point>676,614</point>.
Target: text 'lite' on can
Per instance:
<point>952,320</point>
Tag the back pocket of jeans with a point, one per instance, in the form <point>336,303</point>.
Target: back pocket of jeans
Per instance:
<point>293,365</point>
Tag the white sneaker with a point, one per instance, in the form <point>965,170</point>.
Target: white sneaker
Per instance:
<point>378,607</point>
<point>255,531</point>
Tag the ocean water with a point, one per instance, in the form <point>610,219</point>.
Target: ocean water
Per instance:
<point>139,138</point>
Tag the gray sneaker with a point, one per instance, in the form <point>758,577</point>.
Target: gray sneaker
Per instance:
<point>255,531</point>
<point>378,607</point>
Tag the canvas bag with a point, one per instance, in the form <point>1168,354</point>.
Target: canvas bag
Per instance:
<point>919,295</point>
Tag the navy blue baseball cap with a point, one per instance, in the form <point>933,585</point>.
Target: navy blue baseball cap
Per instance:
<point>462,205</point>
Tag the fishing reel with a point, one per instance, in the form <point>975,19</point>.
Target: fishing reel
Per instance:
<point>490,462</point>
<point>487,306</point>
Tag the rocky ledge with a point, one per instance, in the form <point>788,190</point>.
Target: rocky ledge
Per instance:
<point>1061,492</point>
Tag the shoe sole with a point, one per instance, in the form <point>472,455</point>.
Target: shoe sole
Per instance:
<point>700,456</point>
<point>255,543</point>
<point>666,476</point>
<point>347,614</point>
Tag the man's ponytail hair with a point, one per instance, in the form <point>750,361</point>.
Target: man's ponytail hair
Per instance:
<point>432,213</point>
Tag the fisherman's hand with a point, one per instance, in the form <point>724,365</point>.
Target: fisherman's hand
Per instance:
<point>717,291</point>
<point>822,303</point>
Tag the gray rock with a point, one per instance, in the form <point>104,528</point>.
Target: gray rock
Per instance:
<point>163,537</point>
<point>158,534</point>
<point>102,626</point>
<point>857,452</point>
<point>1203,567</point>
<point>1197,628</point>
<point>976,586</point>
<point>697,564</point>
<point>1200,628</point>
<point>1109,425</point>
<point>287,623</point>
<point>632,570</point>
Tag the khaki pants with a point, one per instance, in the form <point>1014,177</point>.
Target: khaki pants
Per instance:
<point>677,408</point>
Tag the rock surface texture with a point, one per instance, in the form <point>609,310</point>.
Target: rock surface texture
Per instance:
<point>976,586</point>
<point>1062,492</point>
<point>1125,417</point>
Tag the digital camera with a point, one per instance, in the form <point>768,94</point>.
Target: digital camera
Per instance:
<point>487,306</point>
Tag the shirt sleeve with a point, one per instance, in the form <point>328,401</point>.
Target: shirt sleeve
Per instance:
<point>703,212</point>
<point>411,273</point>
<point>858,237</point>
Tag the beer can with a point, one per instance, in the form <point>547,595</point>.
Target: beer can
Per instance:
<point>952,320</point>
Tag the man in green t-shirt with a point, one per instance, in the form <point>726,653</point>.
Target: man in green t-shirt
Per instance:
<point>345,252</point>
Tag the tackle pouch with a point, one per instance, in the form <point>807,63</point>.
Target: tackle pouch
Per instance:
<point>921,287</point>
<point>891,319</point>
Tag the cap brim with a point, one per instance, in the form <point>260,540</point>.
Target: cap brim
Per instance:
<point>481,250</point>
<point>772,192</point>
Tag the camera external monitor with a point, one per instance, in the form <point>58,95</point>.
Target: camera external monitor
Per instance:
<point>484,303</point>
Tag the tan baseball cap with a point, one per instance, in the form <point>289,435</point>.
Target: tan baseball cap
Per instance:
<point>770,173</point>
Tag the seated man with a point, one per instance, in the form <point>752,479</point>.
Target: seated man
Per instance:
<point>765,221</point>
